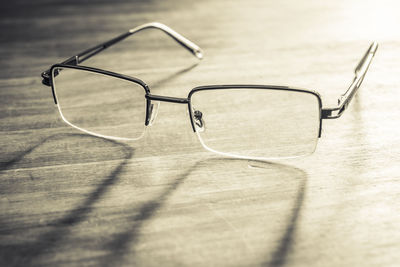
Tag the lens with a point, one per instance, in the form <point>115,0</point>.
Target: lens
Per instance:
<point>99,104</point>
<point>262,123</point>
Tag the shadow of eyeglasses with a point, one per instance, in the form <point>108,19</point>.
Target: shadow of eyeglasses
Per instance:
<point>69,147</point>
<point>29,252</point>
<point>122,247</point>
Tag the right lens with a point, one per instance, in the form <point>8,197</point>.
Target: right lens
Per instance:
<point>259,123</point>
<point>100,104</point>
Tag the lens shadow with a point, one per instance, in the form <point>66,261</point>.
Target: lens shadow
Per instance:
<point>218,211</point>
<point>44,197</point>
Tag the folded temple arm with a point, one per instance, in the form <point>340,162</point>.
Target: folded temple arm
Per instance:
<point>359,71</point>
<point>79,58</point>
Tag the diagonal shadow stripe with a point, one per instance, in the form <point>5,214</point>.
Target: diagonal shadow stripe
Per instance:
<point>125,242</point>
<point>28,253</point>
<point>280,255</point>
<point>285,245</point>
<point>121,242</point>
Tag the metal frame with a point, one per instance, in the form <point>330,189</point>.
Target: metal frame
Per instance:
<point>252,86</point>
<point>360,71</point>
<point>324,113</point>
<point>88,53</point>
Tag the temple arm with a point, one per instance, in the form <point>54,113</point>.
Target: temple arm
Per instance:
<point>359,71</point>
<point>79,58</point>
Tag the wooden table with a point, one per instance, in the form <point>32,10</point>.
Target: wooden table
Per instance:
<point>67,198</point>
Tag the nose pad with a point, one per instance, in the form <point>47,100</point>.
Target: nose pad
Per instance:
<point>199,121</point>
<point>153,112</point>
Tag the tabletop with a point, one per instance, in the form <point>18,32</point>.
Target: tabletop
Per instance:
<point>68,198</point>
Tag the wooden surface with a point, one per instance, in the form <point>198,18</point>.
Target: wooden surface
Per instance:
<point>70,199</point>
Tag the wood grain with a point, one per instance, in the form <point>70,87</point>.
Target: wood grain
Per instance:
<point>67,198</point>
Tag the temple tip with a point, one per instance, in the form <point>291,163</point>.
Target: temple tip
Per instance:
<point>198,53</point>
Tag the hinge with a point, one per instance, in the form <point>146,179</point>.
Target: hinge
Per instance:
<point>326,113</point>
<point>46,78</point>
<point>332,113</point>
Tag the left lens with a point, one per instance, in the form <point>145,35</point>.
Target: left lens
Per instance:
<point>259,123</point>
<point>100,104</point>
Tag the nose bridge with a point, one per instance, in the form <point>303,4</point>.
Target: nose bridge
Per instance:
<point>170,99</point>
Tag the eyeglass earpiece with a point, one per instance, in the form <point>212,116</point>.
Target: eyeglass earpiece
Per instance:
<point>153,112</point>
<point>199,121</point>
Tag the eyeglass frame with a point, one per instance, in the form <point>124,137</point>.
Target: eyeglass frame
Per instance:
<point>324,113</point>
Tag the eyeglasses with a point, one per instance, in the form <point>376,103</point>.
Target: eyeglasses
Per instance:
<point>243,121</point>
